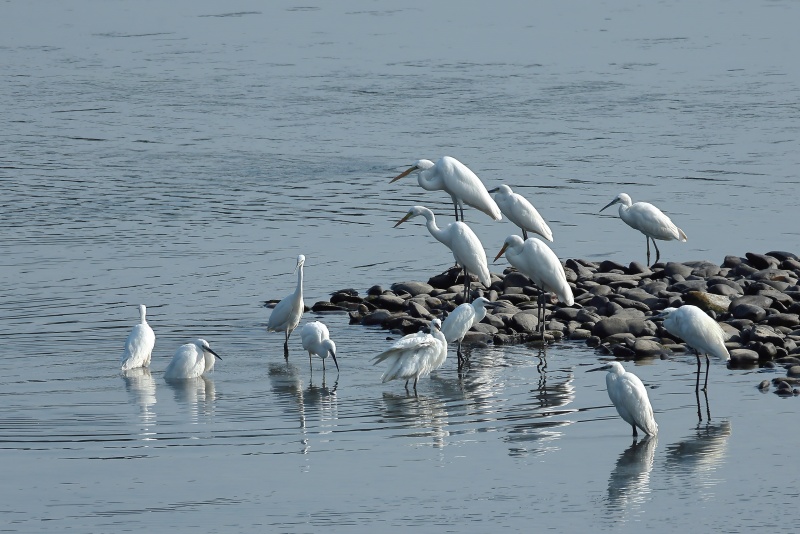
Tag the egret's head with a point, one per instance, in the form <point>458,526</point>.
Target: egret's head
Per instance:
<point>301,260</point>
<point>436,324</point>
<point>142,311</point>
<point>511,241</point>
<point>613,367</point>
<point>203,345</point>
<point>413,212</point>
<point>420,165</point>
<point>665,313</point>
<point>501,189</point>
<point>483,301</point>
<point>622,198</point>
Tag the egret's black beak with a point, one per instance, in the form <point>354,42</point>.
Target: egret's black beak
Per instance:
<point>610,204</point>
<point>495,190</point>
<point>212,352</point>
<point>601,368</point>
<point>333,355</point>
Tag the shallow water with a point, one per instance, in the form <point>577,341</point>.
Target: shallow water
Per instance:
<point>182,155</point>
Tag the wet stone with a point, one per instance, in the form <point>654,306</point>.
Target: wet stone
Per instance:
<point>748,311</point>
<point>764,384</point>
<point>688,285</point>
<point>524,322</point>
<point>580,334</point>
<point>708,301</point>
<point>378,317</point>
<point>647,348</point>
<point>621,351</point>
<point>610,326</point>
<point>415,309</point>
<point>325,306</point>
<point>388,302</point>
<point>413,288</point>
<point>516,279</point>
<point>485,328</point>
<point>743,357</point>
<point>375,291</point>
<point>724,290</point>
<point>793,371</point>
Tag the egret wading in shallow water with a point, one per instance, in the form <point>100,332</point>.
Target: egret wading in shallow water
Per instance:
<point>630,398</point>
<point>519,211</point>
<point>191,360</point>
<point>702,333</point>
<point>286,314</point>
<point>140,343</point>
<point>450,175</point>
<point>649,220</point>
<point>460,320</point>
<point>415,355</point>
<point>534,259</point>
<point>462,241</point>
<point>316,340</point>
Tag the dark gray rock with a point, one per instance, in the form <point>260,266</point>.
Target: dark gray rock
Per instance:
<point>516,279</point>
<point>610,326</point>
<point>672,268</point>
<point>413,288</point>
<point>761,261</point>
<point>323,306</point>
<point>387,302</point>
<point>789,320</point>
<point>645,348</point>
<point>415,309</point>
<point>743,357</point>
<point>485,328</point>
<point>378,317</point>
<point>374,291</point>
<point>764,384</point>
<point>580,333</point>
<point>524,322</point>
<point>724,290</point>
<point>748,311</point>
<point>688,285</point>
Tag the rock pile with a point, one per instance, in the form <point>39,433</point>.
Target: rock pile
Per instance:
<point>756,299</point>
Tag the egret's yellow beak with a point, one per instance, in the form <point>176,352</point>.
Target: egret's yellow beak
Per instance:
<point>502,250</point>
<point>404,173</point>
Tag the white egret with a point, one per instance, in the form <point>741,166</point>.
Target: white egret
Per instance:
<point>534,259</point>
<point>630,398</point>
<point>702,333</point>
<point>191,360</point>
<point>464,187</point>
<point>140,343</point>
<point>462,241</point>
<point>415,355</point>
<point>316,340</point>
<point>286,314</point>
<point>649,220</point>
<point>518,210</point>
<point>459,321</point>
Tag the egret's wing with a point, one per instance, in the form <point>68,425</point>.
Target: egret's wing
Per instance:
<point>546,270</point>
<point>465,185</point>
<point>458,322</point>
<point>469,252</point>
<point>637,403</point>
<point>651,221</point>
<point>523,214</point>
<point>700,331</point>
<point>286,314</point>
<point>138,347</point>
<point>187,362</point>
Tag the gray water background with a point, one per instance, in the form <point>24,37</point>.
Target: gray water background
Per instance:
<point>181,155</point>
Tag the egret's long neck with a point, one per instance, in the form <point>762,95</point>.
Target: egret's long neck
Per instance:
<point>142,313</point>
<point>428,179</point>
<point>299,290</point>
<point>480,313</point>
<point>430,222</point>
<point>209,359</point>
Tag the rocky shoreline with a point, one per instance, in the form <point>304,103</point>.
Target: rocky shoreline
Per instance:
<point>756,300</point>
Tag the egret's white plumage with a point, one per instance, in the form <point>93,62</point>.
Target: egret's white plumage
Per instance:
<point>649,220</point>
<point>698,330</point>
<point>519,211</point>
<point>140,343</point>
<point>191,360</point>
<point>286,315</point>
<point>415,355</point>
<point>459,321</point>
<point>464,187</point>
<point>538,262</point>
<point>630,398</point>
<point>316,340</point>
<point>462,242</point>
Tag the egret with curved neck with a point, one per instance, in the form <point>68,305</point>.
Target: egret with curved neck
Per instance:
<point>649,220</point>
<point>521,212</point>
<point>286,315</point>
<point>462,242</point>
<point>450,175</point>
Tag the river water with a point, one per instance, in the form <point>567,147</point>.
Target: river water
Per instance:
<point>182,155</point>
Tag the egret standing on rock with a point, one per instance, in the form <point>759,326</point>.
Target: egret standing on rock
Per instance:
<point>462,241</point>
<point>140,343</point>
<point>286,314</point>
<point>415,355</point>
<point>518,210</point>
<point>649,220</point>
<point>702,333</point>
<point>460,320</point>
<point>464,187</point>
<point>316,340</point>
<point>534,259</point>
<point>630,398</point>
<point>191,360</point>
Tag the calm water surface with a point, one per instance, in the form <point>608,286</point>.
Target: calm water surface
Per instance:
<point>182,155</point>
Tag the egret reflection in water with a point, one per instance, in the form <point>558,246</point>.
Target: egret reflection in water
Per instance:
<point>629,482</point>
<point>417,416</point>
<point>141,389</point>
<point>699,455</point>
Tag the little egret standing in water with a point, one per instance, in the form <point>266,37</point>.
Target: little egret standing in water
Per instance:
<point>630,398</point>
<point>699,331</point>
<point>415,355</point>
<point>460,320</point>
<point>519,211</point>
<point>462,241</point>
<point>191,360</point>
<point>649,220</point>
<point>286,314</point>
<point>464,187</point>
<point>534,259</point>
<point>140,343</point>
<point>316,340</point>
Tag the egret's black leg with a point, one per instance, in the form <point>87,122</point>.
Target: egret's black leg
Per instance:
<point>524,234</point>
<point>705,384</point>
<point>467,282</point>
<point>415,386</point>
<point>462,213</point>
<point>406,386</point>
<point>455,208</point>
<point>647,242</point>
<point>635,434</point>
<point>658,252</point>
<point>286,347</point>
